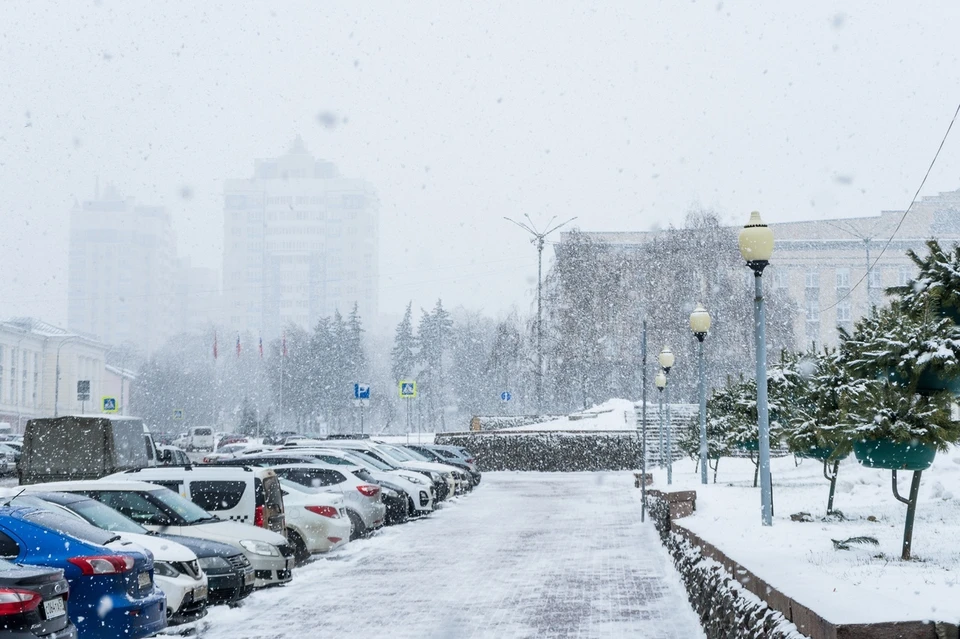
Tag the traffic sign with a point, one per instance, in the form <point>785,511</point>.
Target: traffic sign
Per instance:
<point>506,396</point>
<point>408,389</point>
<point>108,404</point>
<point>178,413</point>
<point>361,391</point>
<point>361,402</point>
<point>83,390</point>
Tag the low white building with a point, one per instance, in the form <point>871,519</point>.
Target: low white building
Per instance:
<point>30,351</point>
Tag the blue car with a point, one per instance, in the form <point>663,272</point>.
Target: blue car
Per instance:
<point>111,588</point>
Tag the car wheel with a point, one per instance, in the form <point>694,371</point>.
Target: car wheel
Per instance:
<point>300,552</point>
<point>357,529</point>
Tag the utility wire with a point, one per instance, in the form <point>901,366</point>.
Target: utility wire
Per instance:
<point>902,217</point>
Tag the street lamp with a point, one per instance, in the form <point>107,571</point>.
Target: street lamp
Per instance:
<point>756,247</point>
<point>539,238</point>
<point>700,324</point>
<point>661,381</point>
<point>56,383</point>
<point>666,360</point>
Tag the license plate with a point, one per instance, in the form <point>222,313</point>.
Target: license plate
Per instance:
<point>248,578</point>
<point>199,593</point>
<point>53,608</point>
<point>143,579</point>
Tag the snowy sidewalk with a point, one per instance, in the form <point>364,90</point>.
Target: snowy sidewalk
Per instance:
<point>525,555</point>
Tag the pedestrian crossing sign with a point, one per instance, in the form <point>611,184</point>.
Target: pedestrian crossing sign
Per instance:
<point>408,389</point>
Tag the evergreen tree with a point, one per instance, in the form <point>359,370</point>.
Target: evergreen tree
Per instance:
<point>403,356</point>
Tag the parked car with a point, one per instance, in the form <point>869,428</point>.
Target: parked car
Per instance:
<point>160,509</point>
<point>181,440</point>
<point>231,438</point>
<point>444,483</point>
<point>175,567</point>
<point>317,521</point>
<point>200,438</point>
<point>33,603</point>
<point>229,451</point>
<point>171,456</point>
<point>77,447</point>
<point>112,592</point>
<point>248,495</point>
<point>414,492</point>
<point>411,459</point>
<point>362,496</point>
<point>229,573</point>
<point>448,455</point>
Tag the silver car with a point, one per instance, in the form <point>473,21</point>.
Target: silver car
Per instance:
<point>361,494</point>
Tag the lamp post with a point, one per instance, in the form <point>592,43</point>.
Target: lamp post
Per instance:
<point>56,383</point>
<point>700,324</point>
<point>539,237</point>
<point>661,381</point>
<point>666,360</point>
<point>756,247</point>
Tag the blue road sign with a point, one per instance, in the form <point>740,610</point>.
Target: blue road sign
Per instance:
<point>109,404</point>
<point>361,391</point>
<point>506,396</point>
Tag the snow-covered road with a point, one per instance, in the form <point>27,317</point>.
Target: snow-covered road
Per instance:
<point>525,555</point>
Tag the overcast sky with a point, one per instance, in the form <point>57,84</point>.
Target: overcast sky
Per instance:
<point>624,114</point>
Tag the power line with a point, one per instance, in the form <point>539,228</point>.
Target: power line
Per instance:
<point>902,217</point>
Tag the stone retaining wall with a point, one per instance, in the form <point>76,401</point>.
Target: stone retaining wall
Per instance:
<point>734,603</point>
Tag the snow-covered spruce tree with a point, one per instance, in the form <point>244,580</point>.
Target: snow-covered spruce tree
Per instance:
<point>893,353</point>
<point>937,286</point>
<point>815,423</point>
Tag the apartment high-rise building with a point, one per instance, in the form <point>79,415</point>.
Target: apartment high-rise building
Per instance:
<point>300,242</point>
<point>122,271</point>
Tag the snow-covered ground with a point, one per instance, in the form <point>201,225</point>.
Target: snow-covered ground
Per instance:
<point>861,585</point>
<point>524,555</point>
<point>616,414</point>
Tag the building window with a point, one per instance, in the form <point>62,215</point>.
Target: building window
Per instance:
<point>813,279</point>
<point>12,396</point>
<point>843,312</point>
<point>903,276</point>
<point>843,278</point>
<point>813,310</point>
<point>876,278</point>
<point>23,380</point>
<point>36,379</point>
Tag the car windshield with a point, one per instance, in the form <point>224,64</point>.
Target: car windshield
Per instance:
<point>232,448</point>
<point>105,517</point>
<point>184,508</point>
<point>394,452</point>
<point>370,460</point>
<point>419,455</point>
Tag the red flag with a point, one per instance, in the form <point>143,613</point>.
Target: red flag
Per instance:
<point>284,344</point>
<point>214,345</point>
<point>261,347</point>
<point>238,344</point>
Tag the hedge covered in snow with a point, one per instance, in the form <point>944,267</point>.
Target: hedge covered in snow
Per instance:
<point>550,451</point>
<point>727,610</point>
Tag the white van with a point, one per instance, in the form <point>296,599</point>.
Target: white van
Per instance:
<point>200,438</point>
<point>248,495</point>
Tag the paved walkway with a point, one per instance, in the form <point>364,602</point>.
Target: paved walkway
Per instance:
<point>525,555</point>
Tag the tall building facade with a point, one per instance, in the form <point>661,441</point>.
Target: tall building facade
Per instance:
<point>300,242</point>
<point>122,270</point>
<point>822,265</point>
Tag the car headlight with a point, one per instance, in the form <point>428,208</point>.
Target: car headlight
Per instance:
<point>387,492</point>
<point>164,569</point>
<point>435,476</point>
<point>215,563</point>
<point>261,548</point>
<point>413,479</point>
